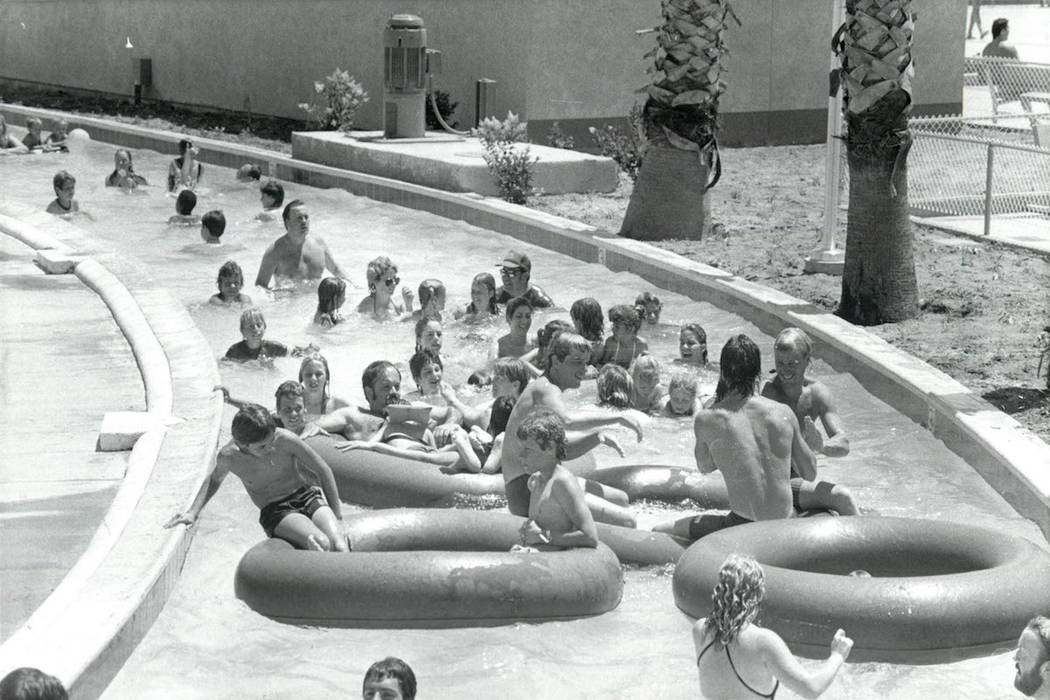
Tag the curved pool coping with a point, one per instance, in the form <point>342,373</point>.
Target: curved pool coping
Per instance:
<point>1012,459</point>
<point>88,626</point>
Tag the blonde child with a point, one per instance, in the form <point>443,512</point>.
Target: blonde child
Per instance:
<point>615,386</point>
<point>648,394</point>
<point>56,140</point>
<point>682,395</point>
<point>316,379</point>
<point>482,304</point>
<point>382,283</point>
<point>519,318</point>
<point>269,460</point>
<point>184,205</point>
<point>624,345</point>
<point>692,345</point>
<point>253,346</point>
<point>33,139</point>
<point>331,295</point>
<point>649,308</point>
<point>230,283</point>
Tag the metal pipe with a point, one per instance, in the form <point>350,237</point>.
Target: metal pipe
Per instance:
<point>988,190</point>
<point>481,98</point>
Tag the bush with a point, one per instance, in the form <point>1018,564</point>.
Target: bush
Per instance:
<point>342,96</point>
<point>558,138</point>
<point>446,108</point>
<point>624,148</point>
<point>510,165</point>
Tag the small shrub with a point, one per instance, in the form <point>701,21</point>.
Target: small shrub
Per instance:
<point>558,138</point>
<point>624,148</point>
<point>342,96</point>
<point>510,165</point>
<point>446,108</point>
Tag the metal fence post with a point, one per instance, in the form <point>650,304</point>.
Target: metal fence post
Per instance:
<point>988,190</point>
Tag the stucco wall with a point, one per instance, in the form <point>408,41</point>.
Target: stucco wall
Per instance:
<point>569,60</point>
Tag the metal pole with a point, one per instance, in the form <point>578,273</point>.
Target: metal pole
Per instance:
<point>988,190</point>
<point>481,99</point>
<point>829,258</point>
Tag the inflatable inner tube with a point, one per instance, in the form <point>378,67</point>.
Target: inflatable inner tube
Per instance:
<point>663,483</point>
<point>938,592</point>
<point>427,568</point>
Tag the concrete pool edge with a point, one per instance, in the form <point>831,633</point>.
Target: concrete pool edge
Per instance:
<point>1009,457</point>
<point>94,619</point>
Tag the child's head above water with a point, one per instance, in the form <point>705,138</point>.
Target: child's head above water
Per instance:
<point>483,292</point>
<point>185,202</point>
<point>249,172</point>
<point>34,126</point>
<point>213,224</point>
<point>682,390</point>
<point>272,194</point>
<point>390,668</point>
<point>692,344</point>
<point>614,386</point>
<point>649,307</point>
<point>519,315</point>
<point>122,159</point>
<point>546,335</point>
<point>331,295</point>
<point>426,369</point>
<point>59,130</point>
<point>509,377</point>
<point>251,425</point>
<point>547,429</point>
<point>314,373</point>
<point>588,318</point>
<point>28,683</point>
<point>65,187</point>
<point>645,371</point>
<point>428,335</point>
<point>253,326</point>
<point>381,272</point>
<point>186,146</point>
<point>290,404</point>
<point>625,321</point>
<point>230,280</point>
<point>432,297</point>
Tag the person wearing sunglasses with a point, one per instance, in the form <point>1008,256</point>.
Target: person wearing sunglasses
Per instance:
<point>515,272</point>
<point>381,302</point>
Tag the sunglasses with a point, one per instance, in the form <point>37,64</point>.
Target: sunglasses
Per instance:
<point>392,282</point>
<point>511,272</point>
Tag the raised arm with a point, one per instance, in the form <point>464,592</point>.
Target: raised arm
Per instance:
<point>836,444</point>
<point>787,669</point>
<point>312,462</point>
<point>587,419</point>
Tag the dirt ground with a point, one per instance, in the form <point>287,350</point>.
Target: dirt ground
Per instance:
<point>985,306</point>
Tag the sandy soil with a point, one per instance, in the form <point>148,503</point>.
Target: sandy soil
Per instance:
<point>985,306</point>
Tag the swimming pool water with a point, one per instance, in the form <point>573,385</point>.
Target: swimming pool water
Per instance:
<point>207,644</point>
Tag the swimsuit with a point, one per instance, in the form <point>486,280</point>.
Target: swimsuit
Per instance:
<point>269,348</point>
<point>776,685</point>
<point>306,500</point>
<point>616,353</point>
<point>705,524</point>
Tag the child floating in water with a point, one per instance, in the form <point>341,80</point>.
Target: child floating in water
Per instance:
<point>9,145</point>
<point>33,140</point>
<point>382,283</point>
<point>56,140</point>
<point>624,345</point>
<point>249,172</point>
<point>254,346</point>
<point>682,395</point>
<point>64,203</point>
<point>519,318</point>
<point>692,345</point>
<point>184,205</point>
<point>230,282</point>
<point>316,380</point>
<point>124,175</point>
<point>536,358</point>
<point>482,304</point>
<point>213,224</point>
<point>271,194</point>
<point>269,460</point>
<point>429,335</point>
<point>649,307</point>
<point>426,369</point>
<point>184,171</point>
<point>431,299</point>
<point>331,295</point>
<point>558,514</point>
<point>589,320</point>
<point>615,386</point>
<point>648,393</point>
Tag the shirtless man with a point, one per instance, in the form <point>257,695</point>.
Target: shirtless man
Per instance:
<point>381,382</point>
<point>1032,659</point>
<point>566,366</point>
<point>810,400</point>
<point>997,47</point>
<point>295,255</point>
<point>752,440</point>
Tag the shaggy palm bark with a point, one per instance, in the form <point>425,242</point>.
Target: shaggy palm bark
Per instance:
<point>680,117</point>
<point>878,278</point>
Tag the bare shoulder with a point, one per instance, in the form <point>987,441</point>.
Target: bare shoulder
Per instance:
<point>228,452</point>
<point>819,395</point>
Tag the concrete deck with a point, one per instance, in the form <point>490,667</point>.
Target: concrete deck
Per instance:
<point>56,334</point>
<point>1024,231</point>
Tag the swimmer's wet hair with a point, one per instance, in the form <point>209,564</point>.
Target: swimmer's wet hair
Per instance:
<point>792,337</point>
<point>500,415</point>
<point>512,369</point>
<point>28,683</point>
<point>287,212</point>
<point>249,171</point>
<point>486,279</point>
<point>626,314</point>
<point>737,596</point>
<point>741,363</point>
<point>61,179</point>
<point>550,331</point>
<point>547,428</point>
<point>589,318</point>
<point>288,390</point>
<point>421,359</point>
<point>393,667</point>
<point>319,358</point>
<point>646,299</point>
<point>683,380</point>
<point>378,268</point>
<point>34,121</point>
<point>374,371</point>
<point>274,190</point>
<point>430,288</point>
<point>701,335</point>
<point>515,304</point>
<point>646,362</point>
<point>251,424</point>
<point>251,316</point>
<point>214,221</point>
<point>421,325</point>
<point>230,270</point>
<point>184,145</point>
<point>185,202</point>
<point>565,344</point>
<point>615,386</point>
<point>1040,624</point>
<point>329,291</point>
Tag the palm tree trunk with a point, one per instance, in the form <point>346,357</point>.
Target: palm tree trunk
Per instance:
<point>878,277</point>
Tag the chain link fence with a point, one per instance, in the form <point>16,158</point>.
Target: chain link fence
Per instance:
<point>1005,87</point>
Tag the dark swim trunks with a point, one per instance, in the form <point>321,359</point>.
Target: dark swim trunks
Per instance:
<point>518,495</point>
<point>796,486</point>
<point>705,524</point>
<point>306,500</point>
